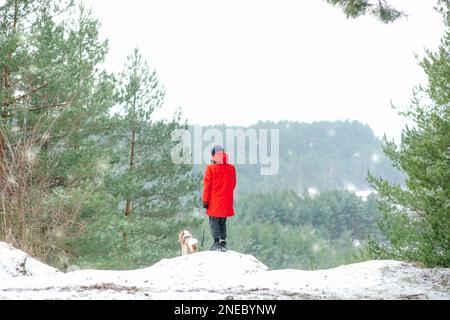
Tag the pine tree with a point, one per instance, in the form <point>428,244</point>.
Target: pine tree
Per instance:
<point>417,218</point>
<point>140,95</point>
<point>54,103</point>
<point>150,198</point>
<point>380,9</point>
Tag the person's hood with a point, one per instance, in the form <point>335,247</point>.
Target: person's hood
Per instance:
<point>220,157</point>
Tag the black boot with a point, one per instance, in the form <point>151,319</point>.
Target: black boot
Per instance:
<point>216,246</point>
<point>223,246</point>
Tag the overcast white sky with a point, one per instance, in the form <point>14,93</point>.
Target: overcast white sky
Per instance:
<point>240,61</point>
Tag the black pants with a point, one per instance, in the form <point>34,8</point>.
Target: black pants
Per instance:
<point>218,228</point>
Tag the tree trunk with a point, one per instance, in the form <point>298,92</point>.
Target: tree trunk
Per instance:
<point>2,170</point>
<point>16,14</point>
<point>128,207</point>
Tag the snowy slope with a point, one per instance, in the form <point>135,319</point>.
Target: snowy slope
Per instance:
<point>14,262</point>
<point>216,275</point>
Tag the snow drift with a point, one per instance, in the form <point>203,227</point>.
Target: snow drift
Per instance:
<point>217,275</point>
<point>14,263</point>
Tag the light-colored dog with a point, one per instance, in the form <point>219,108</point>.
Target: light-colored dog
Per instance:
<point>188,243</point>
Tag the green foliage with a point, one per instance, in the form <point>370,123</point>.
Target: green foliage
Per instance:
<point>380,9</point>
<point>333,213</point>
<point>417,218</point>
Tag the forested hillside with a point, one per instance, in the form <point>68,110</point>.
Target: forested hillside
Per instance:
<point>326,155</point>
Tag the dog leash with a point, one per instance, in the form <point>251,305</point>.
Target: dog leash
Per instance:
<point>203,235</point>
<point>203,226</point>
<point>203,238</point>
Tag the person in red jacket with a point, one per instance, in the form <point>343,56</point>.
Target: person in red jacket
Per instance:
<point>219,182</point>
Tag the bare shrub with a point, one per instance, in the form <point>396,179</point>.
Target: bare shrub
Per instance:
<point>38,213</point>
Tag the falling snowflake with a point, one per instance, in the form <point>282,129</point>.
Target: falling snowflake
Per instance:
<point>316,247</point>
<point>313,192</point>
<point>375,158</point>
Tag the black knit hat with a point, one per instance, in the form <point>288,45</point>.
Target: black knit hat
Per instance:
<point>216,149</point>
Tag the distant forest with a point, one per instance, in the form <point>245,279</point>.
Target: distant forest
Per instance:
<point>325,155</point>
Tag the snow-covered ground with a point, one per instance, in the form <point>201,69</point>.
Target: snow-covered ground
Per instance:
<point>217,275</point>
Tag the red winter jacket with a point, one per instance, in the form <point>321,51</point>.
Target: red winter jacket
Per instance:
<point>218,186</point>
